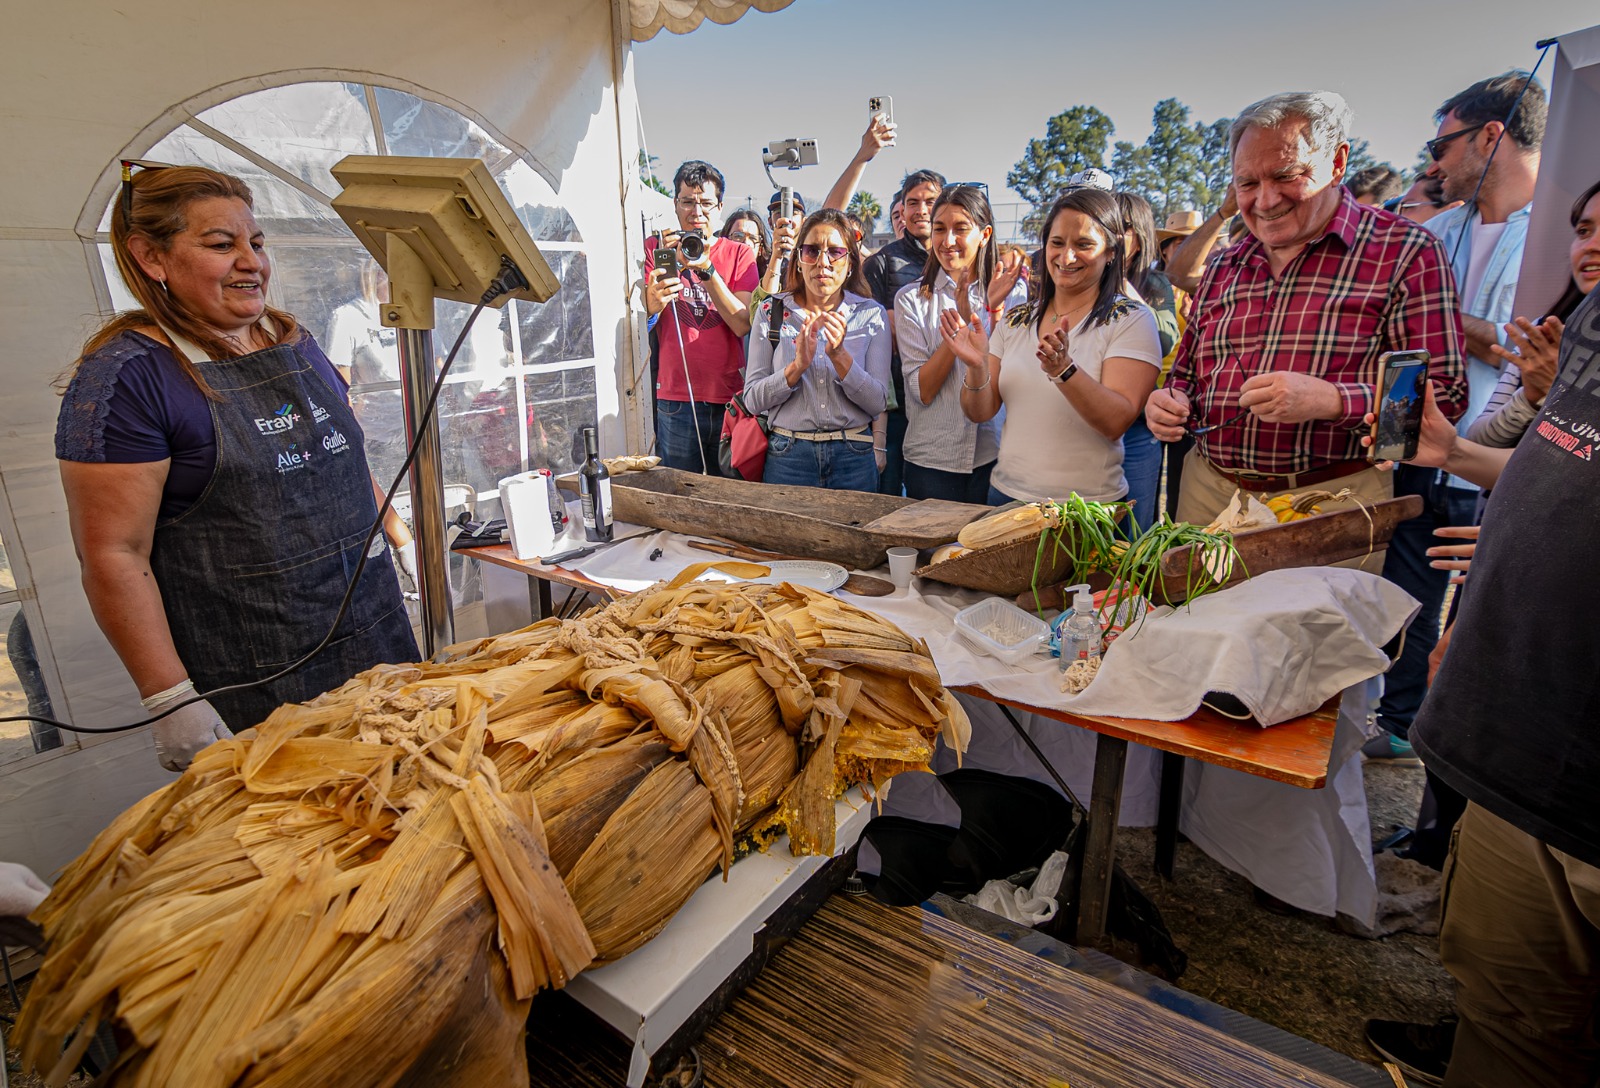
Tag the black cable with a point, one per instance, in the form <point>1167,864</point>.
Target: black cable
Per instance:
<point>510,278</point>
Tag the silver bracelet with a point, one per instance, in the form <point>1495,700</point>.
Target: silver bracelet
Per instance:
<point>976,388</point>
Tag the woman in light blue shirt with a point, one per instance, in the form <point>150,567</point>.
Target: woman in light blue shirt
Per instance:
<point>827,378</point>
<point>948,456</point>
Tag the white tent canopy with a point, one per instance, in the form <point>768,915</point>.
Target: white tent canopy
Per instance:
<point>542,90</point>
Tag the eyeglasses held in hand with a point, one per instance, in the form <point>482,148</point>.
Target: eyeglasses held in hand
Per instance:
<point>1199,431</point>
<point>811,254</point>
<point>1435,146</point>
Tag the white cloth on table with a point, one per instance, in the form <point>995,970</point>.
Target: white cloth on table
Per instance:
<point>1310,848</point>
<point>1283,642</point>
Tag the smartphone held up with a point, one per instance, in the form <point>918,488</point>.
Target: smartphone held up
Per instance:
<point>1402,392</point>
<point>881,106</point>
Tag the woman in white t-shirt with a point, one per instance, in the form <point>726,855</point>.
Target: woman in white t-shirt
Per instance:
<point>1072,367</point>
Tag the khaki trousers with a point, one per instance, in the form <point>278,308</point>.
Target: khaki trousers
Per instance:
<point>1205,492</point>
<point>1521,935</point>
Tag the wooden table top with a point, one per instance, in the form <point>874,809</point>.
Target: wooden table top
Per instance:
<point>501,555</point>
<point>1295,752</point>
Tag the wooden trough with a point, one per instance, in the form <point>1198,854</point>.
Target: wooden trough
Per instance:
<point>852,528</point>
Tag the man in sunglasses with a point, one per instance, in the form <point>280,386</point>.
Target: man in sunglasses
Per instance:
<point>1276,369</point>
<point>700,312</point>
<point>1484,238</point>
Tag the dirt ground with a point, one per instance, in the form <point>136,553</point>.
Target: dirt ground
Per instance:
<point>1300,973</point>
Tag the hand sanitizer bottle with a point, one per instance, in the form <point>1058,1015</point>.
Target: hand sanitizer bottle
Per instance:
<point>1080,635</point>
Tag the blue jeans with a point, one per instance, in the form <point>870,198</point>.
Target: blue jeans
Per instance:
<point>844,464</point>
<point>1141,464</point>
<point>1406,565</point>
<point>677,441</point>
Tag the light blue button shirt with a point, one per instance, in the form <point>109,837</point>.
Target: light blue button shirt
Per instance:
<point>1494,299</point>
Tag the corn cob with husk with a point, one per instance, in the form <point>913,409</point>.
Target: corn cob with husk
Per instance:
<point>367,889</point>
<point>1022,523</point>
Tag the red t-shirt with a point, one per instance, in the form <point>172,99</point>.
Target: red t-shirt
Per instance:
<point>715,354</point>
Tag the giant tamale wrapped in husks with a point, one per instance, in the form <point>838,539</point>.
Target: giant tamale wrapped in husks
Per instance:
<point>367,889</point>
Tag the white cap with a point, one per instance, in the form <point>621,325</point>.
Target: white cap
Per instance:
<point>1091,178</point>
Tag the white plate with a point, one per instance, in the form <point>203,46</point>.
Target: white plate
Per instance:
<point>812,573</point>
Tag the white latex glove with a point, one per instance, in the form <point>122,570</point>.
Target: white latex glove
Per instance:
<point>185,733</point>
<point>20,890</point>
<point>405,558</point>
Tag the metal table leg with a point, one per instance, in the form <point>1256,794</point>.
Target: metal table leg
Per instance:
<point>1167,810</point>
<point>1100,851</point>
<point>539,598</point>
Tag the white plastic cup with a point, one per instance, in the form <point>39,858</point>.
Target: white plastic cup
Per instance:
<point>902,561</point>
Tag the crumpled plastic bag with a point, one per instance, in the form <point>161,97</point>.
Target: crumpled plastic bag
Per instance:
<point>1031,905</point>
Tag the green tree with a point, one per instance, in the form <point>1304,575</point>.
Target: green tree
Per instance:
<point>864,206</point>
<point>1074,140</point>
<point>1130,165</point>
<point>1174,167</point>
<point>647,174</point>
<point>1214,168</point>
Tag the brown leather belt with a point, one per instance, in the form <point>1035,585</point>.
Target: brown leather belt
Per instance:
<point>1255,481</point>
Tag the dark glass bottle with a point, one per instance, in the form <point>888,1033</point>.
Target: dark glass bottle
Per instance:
<point>594,490</point>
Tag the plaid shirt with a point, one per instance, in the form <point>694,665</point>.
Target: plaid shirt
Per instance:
<point>1373,282</point>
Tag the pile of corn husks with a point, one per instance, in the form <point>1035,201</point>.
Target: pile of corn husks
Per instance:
<point>369,888</point>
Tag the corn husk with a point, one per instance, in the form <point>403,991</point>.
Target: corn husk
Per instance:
<point>368,888</point>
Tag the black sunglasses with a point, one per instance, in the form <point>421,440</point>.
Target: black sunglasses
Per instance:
<point>1435,146</point>
<point>128,166</point>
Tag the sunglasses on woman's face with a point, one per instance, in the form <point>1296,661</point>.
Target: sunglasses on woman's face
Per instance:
<point>741,236</point>
<point>811,253</point>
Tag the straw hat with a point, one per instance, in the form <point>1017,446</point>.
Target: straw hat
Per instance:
<point>1180,225</point>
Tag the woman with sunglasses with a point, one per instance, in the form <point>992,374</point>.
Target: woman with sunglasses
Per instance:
<point>216,483</point>
<point>1073,367</point>
<point>947,455</point>
<point>826,381</point>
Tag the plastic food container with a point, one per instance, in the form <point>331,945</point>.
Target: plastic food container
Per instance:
<point>1001,629</point>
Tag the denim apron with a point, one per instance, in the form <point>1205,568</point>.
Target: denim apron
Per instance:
<point>252,574</point>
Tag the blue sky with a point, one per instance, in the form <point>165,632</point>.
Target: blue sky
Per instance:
<point>972,82</point>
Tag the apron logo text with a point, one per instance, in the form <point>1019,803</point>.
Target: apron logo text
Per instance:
<point>278,422</point>
<point>336,443</point>
<point>293,458</point>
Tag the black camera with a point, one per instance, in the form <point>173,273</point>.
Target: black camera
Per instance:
<point>693,246</point>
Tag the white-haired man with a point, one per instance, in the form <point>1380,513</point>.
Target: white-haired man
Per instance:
<point>1276,369</point>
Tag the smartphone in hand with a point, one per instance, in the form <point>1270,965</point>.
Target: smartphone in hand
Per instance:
<point>667,261</point>
<point>880,106</point>
<point>1402,390</point>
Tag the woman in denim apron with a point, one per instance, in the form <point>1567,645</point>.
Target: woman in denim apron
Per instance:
<point>215,476</point>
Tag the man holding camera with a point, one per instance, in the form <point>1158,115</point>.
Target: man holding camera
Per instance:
<point>697,293</point>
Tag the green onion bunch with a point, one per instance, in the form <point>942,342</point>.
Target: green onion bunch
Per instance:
<point>1088,533</point>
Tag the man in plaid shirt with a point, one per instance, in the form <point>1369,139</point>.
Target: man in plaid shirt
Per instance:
<point>1280,359</point>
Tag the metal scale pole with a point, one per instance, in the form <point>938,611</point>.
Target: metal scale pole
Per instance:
<point>411,313</point>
